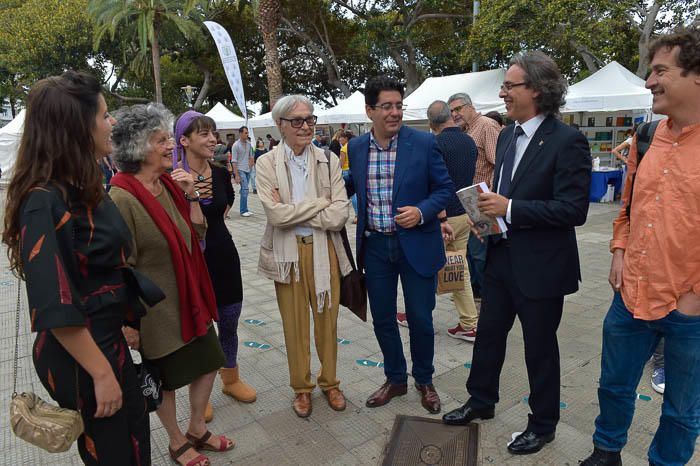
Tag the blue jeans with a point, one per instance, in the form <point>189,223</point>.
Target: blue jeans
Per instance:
<point>627,345</point>
<point>245,179</point>
<point>476,260</point>
<point>384,264</point>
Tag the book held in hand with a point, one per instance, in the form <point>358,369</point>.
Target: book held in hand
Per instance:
<point>484,224</point>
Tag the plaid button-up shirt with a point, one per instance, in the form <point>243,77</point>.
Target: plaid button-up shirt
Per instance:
<point>485,132</point>
<point>380,184</point>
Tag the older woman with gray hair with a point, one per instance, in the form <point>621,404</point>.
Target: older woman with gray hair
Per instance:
<point>303,193</point>
<point>166,223</point>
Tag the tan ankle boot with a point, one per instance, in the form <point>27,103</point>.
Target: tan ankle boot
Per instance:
<point>235,387</point>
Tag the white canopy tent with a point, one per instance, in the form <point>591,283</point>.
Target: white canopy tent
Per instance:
<point>225,118</point>
<point>10,136</point>
<point>611,88</point>
<point>481,86</point>
<point>349,110</point>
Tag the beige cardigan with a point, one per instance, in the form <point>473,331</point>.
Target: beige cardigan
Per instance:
<point>315,213</point>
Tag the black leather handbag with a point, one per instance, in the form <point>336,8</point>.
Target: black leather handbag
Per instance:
<point>353,291</point>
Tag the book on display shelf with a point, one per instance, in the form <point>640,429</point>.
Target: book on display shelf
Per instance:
<point>484,224</point>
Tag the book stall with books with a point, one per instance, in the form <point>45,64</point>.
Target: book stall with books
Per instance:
<point>605,131</point>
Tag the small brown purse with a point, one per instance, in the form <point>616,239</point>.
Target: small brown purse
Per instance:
<point>49,427</point>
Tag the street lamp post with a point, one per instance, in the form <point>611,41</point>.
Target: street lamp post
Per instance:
<point>189,92</point>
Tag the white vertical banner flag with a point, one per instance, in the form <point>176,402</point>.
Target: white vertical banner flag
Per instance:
<point>230,61</point>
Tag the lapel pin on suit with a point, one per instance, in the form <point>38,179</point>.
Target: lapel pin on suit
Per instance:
<point>541,142</point>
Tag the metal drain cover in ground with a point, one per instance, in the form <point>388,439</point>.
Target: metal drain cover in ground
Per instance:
<point>422,441</point>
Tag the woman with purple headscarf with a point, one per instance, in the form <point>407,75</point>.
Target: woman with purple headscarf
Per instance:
<point>194,135</point>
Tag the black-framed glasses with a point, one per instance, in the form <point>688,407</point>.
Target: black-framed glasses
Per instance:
<point>458,108</point>
<point>508,86</point>
<point>299,122</point>
<point>387,106</point>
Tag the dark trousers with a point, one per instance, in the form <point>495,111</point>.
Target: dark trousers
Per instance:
<point>385,263</point>
<point>501,303</point>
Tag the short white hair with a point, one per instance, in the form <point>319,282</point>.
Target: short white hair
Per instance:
<point>286,104</point>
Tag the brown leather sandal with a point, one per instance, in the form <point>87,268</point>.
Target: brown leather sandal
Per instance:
<point>200,460</point>
<point>200,443</point>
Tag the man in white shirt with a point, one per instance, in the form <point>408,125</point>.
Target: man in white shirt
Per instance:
<point>541,182</point>
<point>242,162</point>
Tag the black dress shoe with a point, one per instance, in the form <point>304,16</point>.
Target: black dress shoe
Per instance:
<point>529,442</point>
<point>603,458</point>
<point>466,414</point>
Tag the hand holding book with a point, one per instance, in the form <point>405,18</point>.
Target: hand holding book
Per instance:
<point>483,224</point>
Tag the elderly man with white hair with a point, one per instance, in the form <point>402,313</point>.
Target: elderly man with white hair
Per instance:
<point>303,193</point>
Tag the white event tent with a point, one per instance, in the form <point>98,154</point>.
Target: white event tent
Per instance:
<point>611,88</point>
<point>349,110</point>
<point>10,136</point>
<point>482,87</point>
<point>225,118</point>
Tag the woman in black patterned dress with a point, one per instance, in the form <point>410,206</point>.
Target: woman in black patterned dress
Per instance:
<point>68,241</point>
<point>194,136</point>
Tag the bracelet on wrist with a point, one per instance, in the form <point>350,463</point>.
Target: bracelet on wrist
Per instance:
<point>442,219</point>
<point>194,198</point>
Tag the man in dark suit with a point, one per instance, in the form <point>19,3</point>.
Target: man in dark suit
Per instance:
<point>402,184</point>
<point>541,184</point>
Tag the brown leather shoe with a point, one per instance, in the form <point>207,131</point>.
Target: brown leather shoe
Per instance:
<point>385,393</point>
<point>429,398</point>
<point>336,399</point>
<point>302,404</point>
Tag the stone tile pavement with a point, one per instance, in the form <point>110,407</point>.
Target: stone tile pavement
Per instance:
<point>269,434</point>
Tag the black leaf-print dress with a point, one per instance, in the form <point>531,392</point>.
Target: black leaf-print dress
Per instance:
<point>74,260</point>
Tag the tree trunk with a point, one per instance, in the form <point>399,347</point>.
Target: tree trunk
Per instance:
<point>155,56</point>
<point>324,51</point>
<point>410,71</point>
<point>268,18</point>
<point>645,38</point>
<point>273,68</point>
<point>204,91</point>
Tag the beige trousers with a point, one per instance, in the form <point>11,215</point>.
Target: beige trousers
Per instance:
<point>296,301</point>
<point>464,299</point>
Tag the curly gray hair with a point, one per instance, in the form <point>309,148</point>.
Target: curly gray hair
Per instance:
<point>132,133</point>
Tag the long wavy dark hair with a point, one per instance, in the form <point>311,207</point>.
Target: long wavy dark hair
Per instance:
<point>57,147</point>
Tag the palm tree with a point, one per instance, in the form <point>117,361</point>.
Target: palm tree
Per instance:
<point>267,19</point>
<point>149,16</point>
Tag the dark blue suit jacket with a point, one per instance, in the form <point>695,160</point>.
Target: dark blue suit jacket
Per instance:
<point>550,197</point>
<point>420,180</point>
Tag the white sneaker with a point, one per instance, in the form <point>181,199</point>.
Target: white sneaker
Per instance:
<point>246,214</point>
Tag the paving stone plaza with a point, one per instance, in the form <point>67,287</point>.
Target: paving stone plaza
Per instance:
<point>268,433</point>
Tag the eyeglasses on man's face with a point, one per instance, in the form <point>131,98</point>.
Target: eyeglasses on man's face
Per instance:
<point>508,86</point>
<point>458,108</point>
<point>299,122</point>
<point>387,106</point>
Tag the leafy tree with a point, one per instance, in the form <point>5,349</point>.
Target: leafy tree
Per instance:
<point>397,29</point>
<point>35,44</point>
<point>150,18</point>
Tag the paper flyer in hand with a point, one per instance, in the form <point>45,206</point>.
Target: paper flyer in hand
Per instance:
<point>484,224</point>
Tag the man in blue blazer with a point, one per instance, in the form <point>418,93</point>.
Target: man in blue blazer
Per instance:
<point>541,183</point>
<point>401,183</point>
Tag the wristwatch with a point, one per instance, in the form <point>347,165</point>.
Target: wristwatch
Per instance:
<point>194,198</point>
<point>442,219</point>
